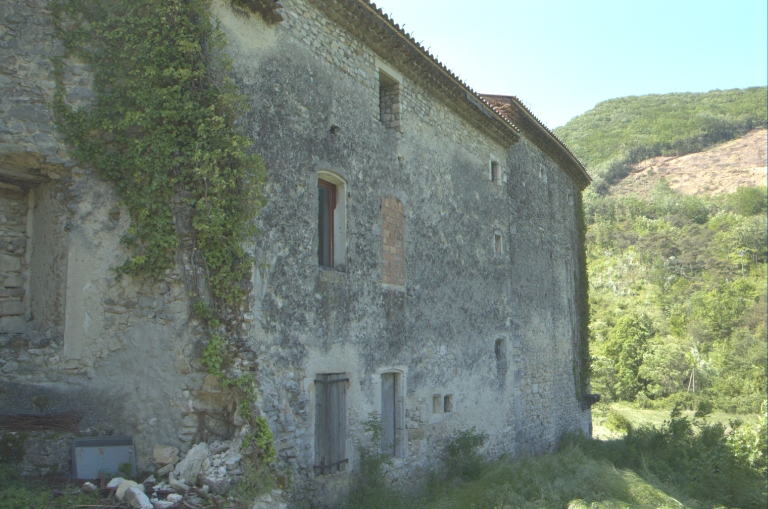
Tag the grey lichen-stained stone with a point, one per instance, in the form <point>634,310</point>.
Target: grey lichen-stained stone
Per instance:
<point>188,469</point>
<point>165,455</point>
<point>137,499</point>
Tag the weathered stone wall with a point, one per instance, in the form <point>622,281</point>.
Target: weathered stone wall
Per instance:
<point>72,337</point>
<point>125,352</point>
<point>438,330</point>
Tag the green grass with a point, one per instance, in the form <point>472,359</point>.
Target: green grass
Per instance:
<point>652,417</point>
<point>684,462</point>
<point>17,493</point>
<point>566,479</point>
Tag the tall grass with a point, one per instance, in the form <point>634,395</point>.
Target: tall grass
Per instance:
<point>684,463</point>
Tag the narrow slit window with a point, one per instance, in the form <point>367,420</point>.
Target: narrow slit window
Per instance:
<point>326,193</point>
<point>448,403</point>
<point>500,349</point>
<point>498,248</point>
<point>495,173</point>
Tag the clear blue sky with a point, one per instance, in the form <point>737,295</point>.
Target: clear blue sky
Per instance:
<point>561,57</point>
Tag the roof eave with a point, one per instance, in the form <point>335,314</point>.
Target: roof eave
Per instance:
<point>395,46</point>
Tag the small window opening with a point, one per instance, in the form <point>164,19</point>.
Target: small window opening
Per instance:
<point>500,349</point>
<point>497,245</point>
<point>437,403</point>
<point>326,193</point>
<point>495,173</point>
<point>448,403</point>
<point>390,105</point>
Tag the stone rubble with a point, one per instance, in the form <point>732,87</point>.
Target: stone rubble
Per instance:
<point>205,469</point>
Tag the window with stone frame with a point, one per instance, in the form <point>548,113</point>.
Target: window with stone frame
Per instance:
<point>495,172</point>
<point>332,193</point>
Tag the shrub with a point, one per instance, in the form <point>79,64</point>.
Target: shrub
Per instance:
<point>617,422</point>
<point>749,201</point>
<point>462,453</point>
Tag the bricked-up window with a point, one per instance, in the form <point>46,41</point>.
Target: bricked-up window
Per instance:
<point>389,102</point>
<point>330,423</point>
<point>392,241</point>
<point>326,194</point>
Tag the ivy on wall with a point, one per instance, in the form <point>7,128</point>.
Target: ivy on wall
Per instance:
<point>164,130</point>
<point>582,360</point>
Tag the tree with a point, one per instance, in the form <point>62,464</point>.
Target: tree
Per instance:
<point>666,367</point>
<point>627,344</point>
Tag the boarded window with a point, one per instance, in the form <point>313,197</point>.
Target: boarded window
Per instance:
<point>326,193</point>
<point>330,423</point>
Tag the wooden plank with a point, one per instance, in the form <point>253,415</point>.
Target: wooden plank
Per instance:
<point>343,425</point>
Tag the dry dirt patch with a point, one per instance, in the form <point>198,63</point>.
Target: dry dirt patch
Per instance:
<point>717,170</point>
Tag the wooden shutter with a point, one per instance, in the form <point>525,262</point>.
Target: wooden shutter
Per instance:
<point>330,423</point>
<point>388,414</point>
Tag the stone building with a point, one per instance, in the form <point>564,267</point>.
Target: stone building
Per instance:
<point>420,256</point>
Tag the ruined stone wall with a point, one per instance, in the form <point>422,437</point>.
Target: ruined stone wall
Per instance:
<point>73,337</point>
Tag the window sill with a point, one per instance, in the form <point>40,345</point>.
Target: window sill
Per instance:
<point>332,275</point>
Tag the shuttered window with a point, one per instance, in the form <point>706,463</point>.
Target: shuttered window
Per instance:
<point>330,423</point>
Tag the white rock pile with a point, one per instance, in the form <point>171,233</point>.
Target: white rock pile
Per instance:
<point>205,470</point>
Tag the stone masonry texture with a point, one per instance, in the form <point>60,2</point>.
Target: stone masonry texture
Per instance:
<point>392,245</point>
<point>421,294</point>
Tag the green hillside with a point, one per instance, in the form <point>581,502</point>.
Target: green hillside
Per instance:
<point>677,283</point>
<point>626,130</point>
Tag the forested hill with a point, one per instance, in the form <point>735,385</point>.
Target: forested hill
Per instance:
<point>620,132</point>
<point>677,274</point>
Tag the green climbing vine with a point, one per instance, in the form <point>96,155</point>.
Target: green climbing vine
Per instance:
<point>582,360</point>
<point>164,130</point>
